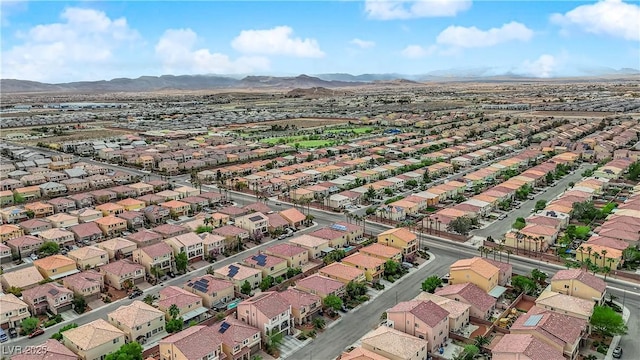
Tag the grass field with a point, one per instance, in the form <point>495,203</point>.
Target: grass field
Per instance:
<point>314,143</point>
<point>287,139</point>
<point>358,130</point>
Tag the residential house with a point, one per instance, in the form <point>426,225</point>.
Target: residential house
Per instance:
<point>394,344</point>
<point>322,286</point>
<point>239,340</point>
<point>269,265</point>
<point>89,257</point>
<point>11,215</point>
<point>360,353</point>
<point>86,232</point>
<point>400,238</point>
<point>563,332</point>
<point>213,244</point>
<point>110,209</point>
<point>296,256</point>
<point>111,225</point>
<point>86,215</point>
<point>62,205</point>
<point>422,319</point>
<point>233,235</point>
<point>9,231</point>
<point>50,297</point>
<point>238,274</point>
<point>303,304</point>
<point>579,283</point>
<point>12,311</point>
<point>196,342</point>
<point>189,305</point>
<point>88,284</point>
<point>52,189</point>
<point>59,236</point>
<point>477,271</point>
<point>130,204</point>
<point>215,292</point>
<point>6,198</point>
<point>94,340</point>
<point>39,209</point>
<point>382,252</point>
<point>267,311</point>
<point>524,347</point>
<point>254,223</point>
<point>313,245</point>
<point>565,304</point>
<point>51,349</point>
<point>35,226</point>
<point>170,230</point>
<point>119,272</point>
<point>343,273</point>
<point>293,216</point>
<point>62,220</point>
<point>118,248</point>
<point>158,256</point>
<point>25,245</point>
<point>55,267</point>
<point>135,219</point>
<point>373,267</point>
<point>482,304</point>
<point>156,214</point>
<point>138,321</point>
<point>28,193</point>
<point>189,243</point>
<point>144,237</point>
<point>458,311</point>
<point>25,278</point>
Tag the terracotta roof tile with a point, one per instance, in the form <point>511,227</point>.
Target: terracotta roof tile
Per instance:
<point>582,276</point>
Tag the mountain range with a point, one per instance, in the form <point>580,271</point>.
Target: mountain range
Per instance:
<point>335,80</point>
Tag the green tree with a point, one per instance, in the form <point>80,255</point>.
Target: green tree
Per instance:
<point>129,351</point>
<point>49,248</point>
<point>149,299</point>
<point>431,283</point>
<point>538,276</point>
<point>523,284</point>
<point>480,341</point>
<point>355,289</point>
<point>461,225</point>
<point>18,198</point>
<point>266,283</point>
<point>79,304</point>
<point>273,341</point>
<point>15,291</point>
<point>245,288</point>
<point>540,205</point>
<point>29,325</point>
<point>468,353</point>
<point>181,262</point>
<point>174,311</point>
<point>519,224</point>
<point>174,325</point>
<point>332,302</point>
<point>204,229</point>
<point>391,267</point>
<point>606,322</point>
<point>319,323</point>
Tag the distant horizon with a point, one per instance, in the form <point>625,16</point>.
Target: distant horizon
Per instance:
<point>56,42</point>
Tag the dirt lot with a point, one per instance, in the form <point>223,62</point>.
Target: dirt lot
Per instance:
<point>78,135</point>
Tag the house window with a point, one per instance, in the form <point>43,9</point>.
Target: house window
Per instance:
<point>115,341</point>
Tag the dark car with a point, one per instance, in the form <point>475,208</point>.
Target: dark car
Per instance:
<point>617,352</point>
<point>135,293</point>
<point>171,274</point>
<point>13,333</point>
<point>35,333</point>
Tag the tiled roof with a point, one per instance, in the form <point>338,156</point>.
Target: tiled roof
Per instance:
<point>157,250</point>
<point>293,215</point>
<point>86,252</point>
<point>135,314</point>
<point>298,298</point>
<point>52,350</point>
<point>175,295</point>
<point>85,229</point>
<point>187,239</point>
<point>44,290</point>
<point>11,302</point>
<point>401,233</point>
<point>286,250</point>
<point>53,262</point>
<point>582,276</point>
<point>528,345</point>
<point>93,334</point>
<point>116,244</point>
<point>309,241</point>
<point>559,328</point>
<point>195,342</point>
<point>320,284</point>
<point>455,308</point>
<point>381,250</point>
<point>84,280</point>
<point>241,273</point>
<point>429,312</point>
<point>342,271</point>
<point>360,353</point>
<point>565,302</point>
<point>24,241</point>
<point>214,284</point>
<point>269,261</point>
<point>121,267</point>
<point>269,303</point>
<point>471,293</point>
<point>394,342</point>
<point>363,260</point>
<point>237,332</point>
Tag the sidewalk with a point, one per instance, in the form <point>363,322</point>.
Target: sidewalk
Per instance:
<point>616,339</point>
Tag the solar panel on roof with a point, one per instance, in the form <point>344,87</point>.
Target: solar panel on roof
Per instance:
<point>533,320</point>
<point>339,227</point>
<point>224,327</point>
<point>260,259</point>
<point>233,270</point>
<point>255,218</point>
<point>206,281</point>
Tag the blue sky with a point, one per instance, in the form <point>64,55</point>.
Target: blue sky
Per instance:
<point>61,41</point>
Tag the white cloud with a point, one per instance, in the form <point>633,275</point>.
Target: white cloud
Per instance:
<point>610,17</point>
<point>276,41</point>
<point>176,50</point>
<point>404,9</point>
<point>470,37</point>
<point>363,44</point>
<point>542,67</point>
<point>417,51</point>
<point>80,47</point>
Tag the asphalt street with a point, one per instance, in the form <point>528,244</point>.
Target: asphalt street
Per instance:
<point>498,228</point>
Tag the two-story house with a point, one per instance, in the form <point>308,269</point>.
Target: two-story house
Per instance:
<point>422,319</point>
<point>579,283</point>
<point>270,265</point>
<point>399,238</point>
<point>111,225</point>
<point>94,340</point>
<point>268,311</point>
<point>121,271</point>
<point>373,266</point>
<point>138,321</point>
<point>189,305</point>
<point>24,245</point>
<point>12,311</point>
<point>296,256</point>
<point>482,304</point>
<point>238,274</point>
<point>189,243</point>
<point>254,223</point>
<point>118,248</point>
<point>215,292</point>
<point>88,284</point>
<point>89,257</point>
<point>394,344</point>
<point>86,232</point>
<point>50,297</point>
<point>158,256</point>
<point>196,342</point>
<point>55,267</point>
<point>303,304</point>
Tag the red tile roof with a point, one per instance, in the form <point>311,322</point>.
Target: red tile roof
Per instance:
<point>287,250</point>
<point>269,303</point>
<point>528,345</point>
<point>298,298</point>
<point>582,276</point>
<point>471,293</point>
<point>559,328</point>
<point>429,312</point>
<point>195,342</point>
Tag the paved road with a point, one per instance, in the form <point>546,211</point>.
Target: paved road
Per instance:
<point>498,228</point>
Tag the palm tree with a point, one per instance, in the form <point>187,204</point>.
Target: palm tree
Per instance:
<point>480,341</point>
<point>606,270</point>
<point>481,250</point>
<point>509,252</point>
<point>149,299</point>
<point>174,311</point>
<point>604,255</point>
<point>501,248</point>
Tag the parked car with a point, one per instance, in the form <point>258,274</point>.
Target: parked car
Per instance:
<point>3,336</point>
<point>171,274</point>
<point>617,352</point>
<point>135,293</point>
<point>36,332</point>
<point>13,333</point>
<point>34,256</point>
<point>502,217</point>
